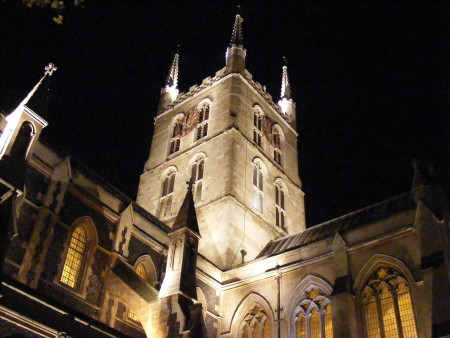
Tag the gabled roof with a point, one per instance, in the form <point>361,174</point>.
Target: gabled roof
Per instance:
<point>342,224</point>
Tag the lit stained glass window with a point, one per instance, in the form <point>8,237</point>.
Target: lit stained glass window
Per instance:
<point>385,299</point>
<point>74,260</point>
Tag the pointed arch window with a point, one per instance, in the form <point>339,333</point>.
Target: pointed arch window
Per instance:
<point>167,192</point>
<point>75,258</point>
<point>141,272</point>
<point>255,324</point>
<point>276,143</point>
<point>313,317</point>
<point>177,132</point>
<point>280,213</point>
<point>203,117</point>
<point>387,306</point>
<point>197,172</point>
<point>258,196</point>
<point>258,127</point>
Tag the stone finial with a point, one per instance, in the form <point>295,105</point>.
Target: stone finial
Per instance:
<point>285,84</point>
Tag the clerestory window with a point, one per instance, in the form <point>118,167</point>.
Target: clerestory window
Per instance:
<point>75,258</point>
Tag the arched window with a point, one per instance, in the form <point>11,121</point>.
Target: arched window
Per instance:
<point>167,192</point>
<point>176,134</point>
<point>258,197</point>
<point>255,324</point>
<point>258,127</point>
<point>198,168</point>
<point>280,213</point>
<point>276,143</point>
<point>75,258</point>
<point>141,272</point>
<point>387,306</point>
<point>313,317</point>
<point>203,116</point>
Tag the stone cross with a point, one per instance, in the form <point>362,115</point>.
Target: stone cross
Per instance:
<point>50,69</point>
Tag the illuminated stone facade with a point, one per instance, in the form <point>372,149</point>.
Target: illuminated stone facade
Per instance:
<point>230,256</point>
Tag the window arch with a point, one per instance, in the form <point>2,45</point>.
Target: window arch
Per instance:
<point>176,134</point>
<point>197,173</point>
<point>280,213</point>
<point>258,186</point>
<point>82,239</point>
<point>255,324</point>
<point>387,306</point>
<point>203,117</point>
<point>167,193</point>
<point>258,117</point>
<point>23,140</point>
<point>277,137</point>
<point>313,316</point>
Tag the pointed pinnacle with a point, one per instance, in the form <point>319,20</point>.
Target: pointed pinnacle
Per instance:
<point>172,78</point>
<point>237,38</point>
<point>285,84</point>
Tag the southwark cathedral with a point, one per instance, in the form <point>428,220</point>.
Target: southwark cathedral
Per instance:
<point>215,244</point>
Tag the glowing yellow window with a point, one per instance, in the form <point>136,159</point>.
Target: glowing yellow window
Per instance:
<point>140,270</point>
<point>328,323</point>
<point>406,311</point>
<point>315,324</point>
<point>300,326</point>
<point>133,316</point>
<point>74,259</point>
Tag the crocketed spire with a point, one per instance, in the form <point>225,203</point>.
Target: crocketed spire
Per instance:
<point>172,78</point>
<point>285,84</point>
<point>237,38</point>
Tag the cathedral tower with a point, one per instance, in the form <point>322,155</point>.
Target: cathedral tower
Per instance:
<point>240,150</point>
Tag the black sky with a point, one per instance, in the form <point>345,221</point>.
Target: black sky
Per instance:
<point>371,82</point>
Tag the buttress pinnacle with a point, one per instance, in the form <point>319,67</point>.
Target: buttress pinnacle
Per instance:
<point>172,78</point>
<point>237,38</point>
<point>285,84</point>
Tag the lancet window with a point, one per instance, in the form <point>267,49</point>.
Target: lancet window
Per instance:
<point>73,264</point>
<point>276,143</point>
<point>313,317</point>
<point>257,127</point>
<point>167,192</point>
<point>197,177</point>
<point>387,305</point>
<point>255,324</point>
<point>203,117</point>
<point>280,213</point>
<point>258,196</point>
<point>177,132</point>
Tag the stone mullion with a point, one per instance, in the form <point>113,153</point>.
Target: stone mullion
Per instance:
<point>380,316</point>
<point>397,313</point>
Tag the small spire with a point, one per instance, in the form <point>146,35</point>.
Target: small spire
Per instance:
<point>187,216</point>
<point>172,78</point>
<point>49,70</point>
<point>237,38</point>
<point>285,84</point>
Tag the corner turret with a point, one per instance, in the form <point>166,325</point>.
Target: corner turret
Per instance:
<point>169,92</point>
<point>286,102</point>
<point>235,56</point>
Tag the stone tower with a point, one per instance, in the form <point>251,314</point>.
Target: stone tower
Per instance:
<point>238,147</point>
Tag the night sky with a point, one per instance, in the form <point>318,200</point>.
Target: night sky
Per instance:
<point>371,82</point>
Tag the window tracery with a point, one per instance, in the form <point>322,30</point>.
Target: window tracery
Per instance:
<point>167,192</point>
<point>276,143</point>
<point>203,117</point>
<point>255,324</point>
<point>313,316</point>
<point>387,305</point>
